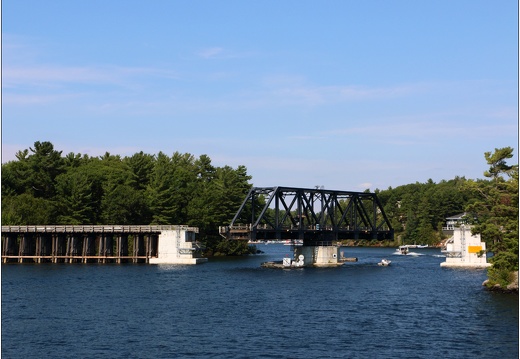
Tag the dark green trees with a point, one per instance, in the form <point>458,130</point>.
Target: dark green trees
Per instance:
<point>29,185</point>
<point>495,213</point>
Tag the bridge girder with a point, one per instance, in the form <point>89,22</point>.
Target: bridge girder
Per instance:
<point>312,215</point>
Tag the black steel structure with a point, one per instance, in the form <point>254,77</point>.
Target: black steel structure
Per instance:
<point>312,215</point>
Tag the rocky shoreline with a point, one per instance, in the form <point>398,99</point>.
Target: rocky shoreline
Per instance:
<point>511,288</point>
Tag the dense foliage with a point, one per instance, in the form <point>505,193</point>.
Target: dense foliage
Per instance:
<point>495,209</point>
<point>44,187</point>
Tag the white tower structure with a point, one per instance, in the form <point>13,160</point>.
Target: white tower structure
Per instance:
<point>465,249</point>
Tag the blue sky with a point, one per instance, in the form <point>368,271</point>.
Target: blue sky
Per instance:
<point>343,94</point>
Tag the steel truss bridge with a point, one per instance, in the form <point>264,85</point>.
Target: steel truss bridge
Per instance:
<point>316,216</point>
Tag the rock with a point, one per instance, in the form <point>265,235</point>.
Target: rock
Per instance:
<point>513,286</point>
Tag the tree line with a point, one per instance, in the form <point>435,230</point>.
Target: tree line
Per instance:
<point>42,186</point>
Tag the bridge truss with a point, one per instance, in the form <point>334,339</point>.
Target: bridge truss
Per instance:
<point>312,215</point>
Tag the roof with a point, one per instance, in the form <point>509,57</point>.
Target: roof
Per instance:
<point>457,216</point>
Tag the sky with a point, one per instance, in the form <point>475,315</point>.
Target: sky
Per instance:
<point>347,95</point>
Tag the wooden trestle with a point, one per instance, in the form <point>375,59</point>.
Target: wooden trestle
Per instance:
<point>80,244</point>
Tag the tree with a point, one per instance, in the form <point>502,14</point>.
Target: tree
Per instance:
<point>124,181</point>
<point>140,167</point>
<point>29,185</point>
<point>45,164</point>
<point>216,201</point>
<point>496,211</point>
<point>25,209</point>
<point>160,192</point>
<point>498,165</point>
<point>76,197</point>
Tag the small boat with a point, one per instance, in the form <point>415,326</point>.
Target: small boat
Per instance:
<point>422,246</point>
<point>384,263</point>
<point>293,242</point>
<point>402,250</point>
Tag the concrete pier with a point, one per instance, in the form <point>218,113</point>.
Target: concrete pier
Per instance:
<point>465,250</point>
<point>318,256</point>
<point>310,256</point>
<point>177,247</point>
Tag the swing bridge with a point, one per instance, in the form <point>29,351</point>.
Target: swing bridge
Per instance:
<point>315,216</point>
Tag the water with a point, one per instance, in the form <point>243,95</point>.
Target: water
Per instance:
<point>233,308</point>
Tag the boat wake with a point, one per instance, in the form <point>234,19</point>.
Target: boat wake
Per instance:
<point>415,254</point>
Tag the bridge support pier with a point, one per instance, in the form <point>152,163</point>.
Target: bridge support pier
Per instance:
<point>10,246</point>
<point>318,256</point>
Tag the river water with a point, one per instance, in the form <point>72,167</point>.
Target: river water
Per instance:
<point>233,308</point>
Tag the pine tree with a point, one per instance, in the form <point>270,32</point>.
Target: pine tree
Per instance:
<point>496,213</point>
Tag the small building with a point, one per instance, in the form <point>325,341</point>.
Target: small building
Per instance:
<point>178,246</point>
<point>453,222</point>
<point>464,249</point>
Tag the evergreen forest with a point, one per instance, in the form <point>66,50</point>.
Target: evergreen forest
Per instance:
<point>43,186</point>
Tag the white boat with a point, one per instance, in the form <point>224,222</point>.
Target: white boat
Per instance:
<point>384,262</point>
<point>402,250</point>
<point>293,242</point>
<point>413,246</point>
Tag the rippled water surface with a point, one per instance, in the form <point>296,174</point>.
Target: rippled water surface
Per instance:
<point>233,308</point>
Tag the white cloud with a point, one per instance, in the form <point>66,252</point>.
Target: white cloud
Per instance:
<point>320,95</point>
<point>364,186</point>
<point>52,76</point>
<point>36,99</point>
<point>217,52</point>
<point>211,52</point>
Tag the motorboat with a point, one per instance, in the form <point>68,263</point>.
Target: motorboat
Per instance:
<point>402,250</point>
<point>384,262</point>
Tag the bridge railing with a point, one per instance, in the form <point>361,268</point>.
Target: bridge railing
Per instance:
<point>96,228</point>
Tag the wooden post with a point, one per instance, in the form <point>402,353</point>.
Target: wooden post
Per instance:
<point>9,245</point>
<point>38,248</point>
<point>70,246</point>
<point>147,246</point>
<point>109,245</point>
<point>101,248</point>
<point>26,242</point>
<point>122,247</point>
<point>137,240</point>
